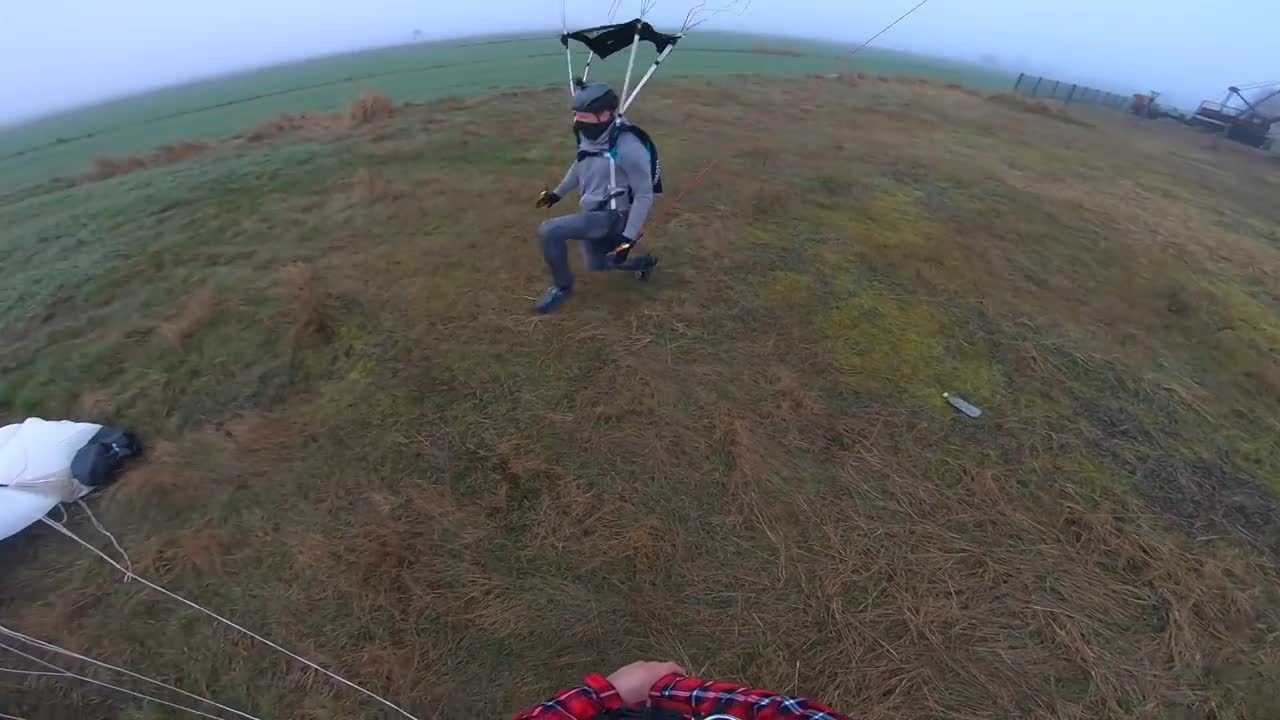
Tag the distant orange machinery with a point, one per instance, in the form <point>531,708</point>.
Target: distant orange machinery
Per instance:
<point>1142,104</point>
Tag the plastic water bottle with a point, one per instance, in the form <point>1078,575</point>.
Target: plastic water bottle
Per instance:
<point>961,405</point>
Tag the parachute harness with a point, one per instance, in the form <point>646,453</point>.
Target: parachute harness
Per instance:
<point>605,40</point>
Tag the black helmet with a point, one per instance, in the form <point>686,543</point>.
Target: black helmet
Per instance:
<point>594,98</point>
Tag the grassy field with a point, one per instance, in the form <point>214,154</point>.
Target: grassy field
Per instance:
<point>213,109</point>
<point>363,445</point>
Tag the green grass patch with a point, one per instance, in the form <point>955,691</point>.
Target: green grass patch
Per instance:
<point>904,346</point>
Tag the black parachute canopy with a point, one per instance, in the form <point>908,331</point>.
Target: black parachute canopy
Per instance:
<point>609,39</point>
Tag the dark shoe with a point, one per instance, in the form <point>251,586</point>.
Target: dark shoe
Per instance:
<point>650,262</point>
<point>551,299</point>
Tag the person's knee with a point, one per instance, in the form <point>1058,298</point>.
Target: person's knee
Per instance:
<point>546,231</point>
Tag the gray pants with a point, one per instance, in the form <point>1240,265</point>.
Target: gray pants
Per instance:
<point>594,230</point>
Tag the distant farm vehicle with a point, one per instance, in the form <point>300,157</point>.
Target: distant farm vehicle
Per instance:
<point>1147,107</point>
<point>1239,118</point>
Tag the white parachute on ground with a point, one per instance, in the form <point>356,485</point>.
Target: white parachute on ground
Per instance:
<point>36,459</point>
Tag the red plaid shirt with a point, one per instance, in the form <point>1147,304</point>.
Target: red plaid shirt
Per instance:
<point>685,697</point>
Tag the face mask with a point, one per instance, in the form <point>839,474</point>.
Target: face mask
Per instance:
<point>591,131</point>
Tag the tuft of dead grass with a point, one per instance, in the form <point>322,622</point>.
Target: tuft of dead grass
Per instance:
<point>306,303</point>
<point>180,151</point>
<point>1025,104</point>
<point>256,432</point>
<point>286,124</point>
<point>196,312</point>
<point>369,108</point>
<point>159,477</point>
<point>202,550</point>
<point>107,166</point>
<point>366,188</point>
<point>965,89</point>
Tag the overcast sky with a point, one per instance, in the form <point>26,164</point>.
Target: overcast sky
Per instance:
<point>61,53</point>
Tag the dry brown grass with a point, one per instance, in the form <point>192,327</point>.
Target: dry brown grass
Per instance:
<point>1036,107</point>
<point>161,477</point>
<point>107,167</point>
<point>196,311</point>
<point>180,151</point>
<point>306,303</point>
<point>366,188</point>
<point>287,124</point>
<point>965,89</point>
<point>256,432</point>
<point>95,405</point>
<point>745,464</point>
<point>369,108</point>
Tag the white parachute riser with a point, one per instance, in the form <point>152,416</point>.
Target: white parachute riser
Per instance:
<point>568,59</point>
<point>631,61</point>
<point>626,85</point>
<point>652,69</point>
<point>613,177</point>
<point>564,30</point>
<point>587,69</point>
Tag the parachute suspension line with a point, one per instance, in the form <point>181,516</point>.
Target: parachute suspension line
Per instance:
<point>613,180</point>
<point>691,21</point>
<point>889,27</point>
<point>700,13</point>
<point>568,54</point>
<point>665,210</point>
<point>631,61</point>
<point>67,673</point>
<point>98,526</point>
<point>587,70</point>
<point>626,85</point>
<point>652,69</point>
<point>128,573</point>
<point>16,671</point>
<point>63,651</point>
<point>568,59</point>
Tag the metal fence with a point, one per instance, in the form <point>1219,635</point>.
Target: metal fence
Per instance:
<point>1069,93</point>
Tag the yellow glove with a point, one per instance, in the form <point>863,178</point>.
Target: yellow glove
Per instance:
<point>547,199</point>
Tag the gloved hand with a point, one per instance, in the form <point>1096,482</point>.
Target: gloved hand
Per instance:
<point>621,247</point>
<point>547,199</point>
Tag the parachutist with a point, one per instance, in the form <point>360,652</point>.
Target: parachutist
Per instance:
<point>616,169</point>
<point>615,173</point>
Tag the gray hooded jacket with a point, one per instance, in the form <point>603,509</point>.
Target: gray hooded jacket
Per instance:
<point>591,175</point>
